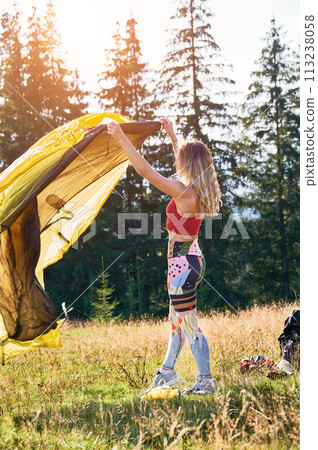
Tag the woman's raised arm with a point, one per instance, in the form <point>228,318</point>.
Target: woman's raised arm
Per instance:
<point>174,188</point>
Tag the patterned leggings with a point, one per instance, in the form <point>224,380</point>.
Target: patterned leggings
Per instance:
<point>186,265</point>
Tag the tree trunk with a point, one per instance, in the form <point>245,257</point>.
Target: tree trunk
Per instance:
<point>282,230</point>
<point>196,105</point>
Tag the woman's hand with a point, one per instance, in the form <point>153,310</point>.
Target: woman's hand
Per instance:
<point>167,125</point>
<point>114,129</point>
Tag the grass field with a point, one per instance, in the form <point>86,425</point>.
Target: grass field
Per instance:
<point>88,393</point>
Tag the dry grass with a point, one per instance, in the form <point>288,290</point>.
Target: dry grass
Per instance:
<point>87,394</point>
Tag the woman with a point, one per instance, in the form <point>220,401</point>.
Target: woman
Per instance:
<point>195,193</point>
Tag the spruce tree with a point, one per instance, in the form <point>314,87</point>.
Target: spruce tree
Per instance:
<point>272,168</point>
<point>52,89</point>
<point>123,84</point>
<point>13,107</point>
<point>124,91</point>
<point>194,76</point>
<point>37,90</point>
<point>46,87</point>
<point>102,303</point>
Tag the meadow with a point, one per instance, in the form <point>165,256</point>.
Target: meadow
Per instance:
<point>87,394</point>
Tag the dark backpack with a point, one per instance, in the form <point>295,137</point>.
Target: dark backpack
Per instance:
<point>289,340</point>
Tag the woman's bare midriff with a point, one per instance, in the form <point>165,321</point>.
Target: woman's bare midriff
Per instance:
<point>179,237</point>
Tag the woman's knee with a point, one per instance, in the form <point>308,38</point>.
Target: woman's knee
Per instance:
<point>177,330</point>
<point>189,325</point>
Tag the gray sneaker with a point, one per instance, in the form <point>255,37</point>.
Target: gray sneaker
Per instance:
<point>163,379</point>
<point>203,386</point>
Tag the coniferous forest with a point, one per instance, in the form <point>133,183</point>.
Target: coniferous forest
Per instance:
<point>252,247</point>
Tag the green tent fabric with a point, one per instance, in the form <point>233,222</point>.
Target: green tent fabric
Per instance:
<point>48,198</point>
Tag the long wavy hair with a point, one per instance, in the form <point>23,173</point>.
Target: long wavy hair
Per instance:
<point>194,166</point>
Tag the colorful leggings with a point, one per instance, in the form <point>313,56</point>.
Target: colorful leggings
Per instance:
<point>186,265</point>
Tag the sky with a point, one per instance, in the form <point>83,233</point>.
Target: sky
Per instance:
<point>86,29</point>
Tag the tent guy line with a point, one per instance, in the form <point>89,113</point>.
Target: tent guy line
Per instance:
<point>50,125</point>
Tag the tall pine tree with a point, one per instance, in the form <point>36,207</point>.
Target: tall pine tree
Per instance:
<point>49,84</point>
<point>272,168</point>
<point>123,84</point>
<point>13,125</point>
<point>124,91</point>
<point>194,76</point>
<point>37,91</point>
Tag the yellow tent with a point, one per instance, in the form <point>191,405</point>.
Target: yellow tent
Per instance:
<point>48,198</point>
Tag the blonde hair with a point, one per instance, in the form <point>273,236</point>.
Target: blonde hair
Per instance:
<point>194,164</point>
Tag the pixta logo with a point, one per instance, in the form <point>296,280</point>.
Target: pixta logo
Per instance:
<point>233,227</point>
